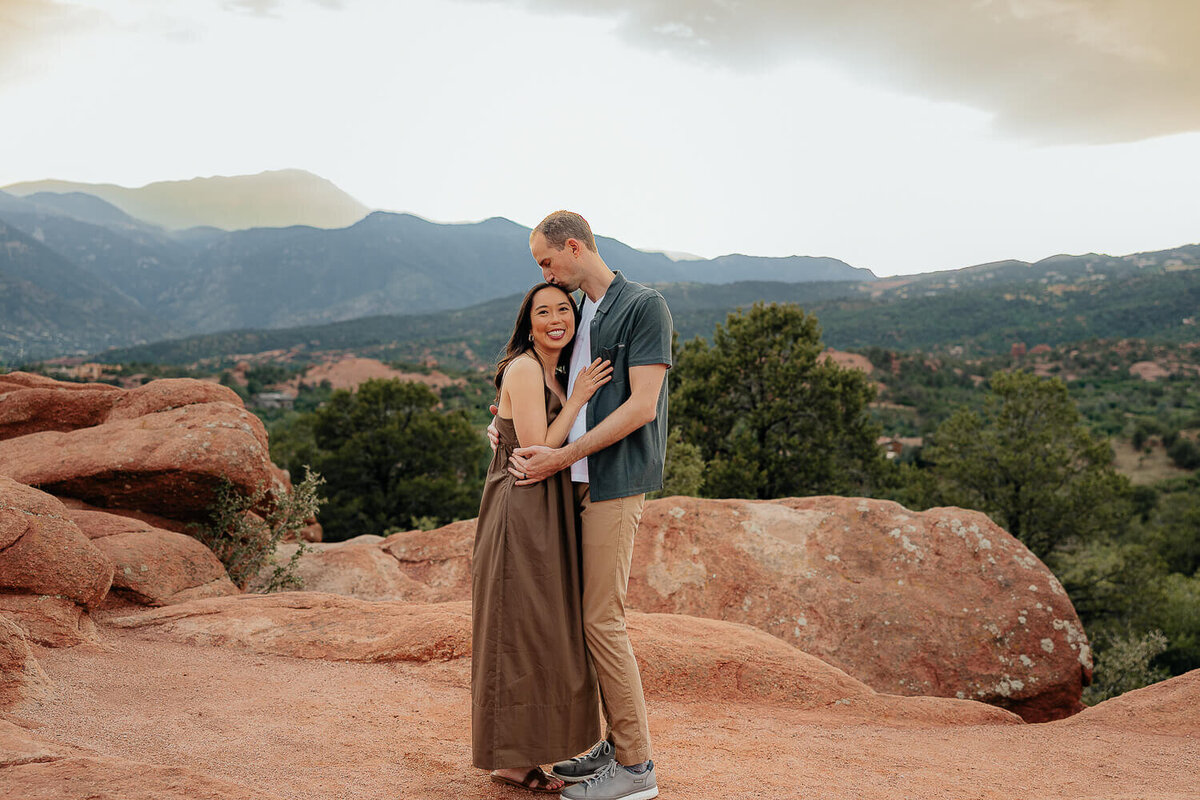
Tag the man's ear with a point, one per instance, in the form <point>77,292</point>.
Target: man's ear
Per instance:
<point>576,247</point>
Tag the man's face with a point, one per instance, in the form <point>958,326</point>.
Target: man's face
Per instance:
<point>559,267</point>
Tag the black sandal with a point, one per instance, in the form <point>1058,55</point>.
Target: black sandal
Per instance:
<point>536,776</point>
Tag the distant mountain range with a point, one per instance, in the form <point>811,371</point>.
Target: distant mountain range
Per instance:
<point>83,272</point>
<point>267,200</point>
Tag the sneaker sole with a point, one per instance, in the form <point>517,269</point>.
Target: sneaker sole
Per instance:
<point>645,794</point>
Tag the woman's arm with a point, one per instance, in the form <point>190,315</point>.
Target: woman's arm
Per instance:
<point>524,387</point>
<point>524,383</point>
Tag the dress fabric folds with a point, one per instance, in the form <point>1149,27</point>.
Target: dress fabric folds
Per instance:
<point>534,695</point>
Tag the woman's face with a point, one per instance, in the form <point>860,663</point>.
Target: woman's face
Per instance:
<point>552,319</point>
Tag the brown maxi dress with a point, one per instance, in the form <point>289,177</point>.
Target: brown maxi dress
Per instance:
<point>534,697</point>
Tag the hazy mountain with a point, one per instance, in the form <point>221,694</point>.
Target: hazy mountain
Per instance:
<point>127,256</point>
<point>1057,270</point>
<point>398,263</point>
<point>268,199</point>
<point>87,208</point>
<point>50,306</point>
<point>203,279</point>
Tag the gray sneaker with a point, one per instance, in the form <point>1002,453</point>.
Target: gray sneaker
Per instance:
<point>614,782</point>
<point>580,768</point>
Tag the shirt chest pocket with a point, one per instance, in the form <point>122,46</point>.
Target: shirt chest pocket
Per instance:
<point>618,354</point>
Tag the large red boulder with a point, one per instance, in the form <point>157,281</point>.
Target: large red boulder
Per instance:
<point>154,566</point>
<point>34,403</point>
<point>421,566</point>
<point>49,571</point>
<point>360,568</point>
<point>439,559</point>
<point>941,602</point>
<point>166,462</point>
<point>43,552</point>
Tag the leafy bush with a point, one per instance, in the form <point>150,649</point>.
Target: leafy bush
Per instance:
<point>683,473</point>
<point>245,542</point>
<point>1185,453</point>
<point>1124,665</point>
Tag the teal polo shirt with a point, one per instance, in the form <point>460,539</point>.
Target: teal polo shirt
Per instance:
<point>632,328</point>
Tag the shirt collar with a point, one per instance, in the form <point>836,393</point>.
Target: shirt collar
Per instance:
<point>610,295</point>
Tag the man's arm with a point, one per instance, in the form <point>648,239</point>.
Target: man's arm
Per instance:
<point>532,464</point>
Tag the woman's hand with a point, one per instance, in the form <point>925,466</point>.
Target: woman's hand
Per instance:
<point>592,378</point>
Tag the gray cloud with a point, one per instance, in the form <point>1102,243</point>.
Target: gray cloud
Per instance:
<point>1053,71</point>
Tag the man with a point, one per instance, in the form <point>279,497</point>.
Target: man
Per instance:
<point>616,452</point>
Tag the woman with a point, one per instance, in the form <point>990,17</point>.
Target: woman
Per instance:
<point>533,691</point>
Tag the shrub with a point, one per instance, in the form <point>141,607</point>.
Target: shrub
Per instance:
<point>245,542</point>
<point>1185,453</point>
<point>683,472</point>
<point>1124,665</point>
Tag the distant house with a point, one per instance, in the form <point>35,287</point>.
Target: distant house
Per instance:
<point>84,372</point>
<point>273,400</point>
<point>893,446</point>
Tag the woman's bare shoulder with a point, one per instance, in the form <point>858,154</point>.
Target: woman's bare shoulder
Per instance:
<point>524,368</point>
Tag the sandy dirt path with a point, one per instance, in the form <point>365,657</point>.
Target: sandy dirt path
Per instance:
<point>320,730</point>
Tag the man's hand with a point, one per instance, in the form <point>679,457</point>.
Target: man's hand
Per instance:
<point>532,464</point>
<point>493,434</point>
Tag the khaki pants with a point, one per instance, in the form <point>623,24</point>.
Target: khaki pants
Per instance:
<point>608,530</point>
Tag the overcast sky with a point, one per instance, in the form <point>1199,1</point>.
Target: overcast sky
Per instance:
<point>898,135</point>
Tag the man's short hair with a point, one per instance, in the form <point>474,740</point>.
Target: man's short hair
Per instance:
<point>563,225</point>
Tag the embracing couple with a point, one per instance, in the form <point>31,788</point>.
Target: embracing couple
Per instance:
<point>579,438</point>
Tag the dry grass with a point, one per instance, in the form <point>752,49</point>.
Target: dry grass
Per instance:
<point>1144,468</point>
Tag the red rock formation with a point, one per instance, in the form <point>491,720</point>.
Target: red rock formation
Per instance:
<point>38,768</point>
<point>179,720</point>
<point>314,625</point>
<point>439,559</point>
<point>1170,708</point>
<point>154,566</point>
<point>48,568</point>
<point>20,675</point>
<point>941,602</point>
<point>358,568</point>
<point>43,552</point>
<point>34,403</point>
<point>47,620</point>
<point>166,462</point>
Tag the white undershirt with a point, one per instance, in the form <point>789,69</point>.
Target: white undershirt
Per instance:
<point>581,356</point>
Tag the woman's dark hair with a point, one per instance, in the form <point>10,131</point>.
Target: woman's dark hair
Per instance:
<point>519,343</point>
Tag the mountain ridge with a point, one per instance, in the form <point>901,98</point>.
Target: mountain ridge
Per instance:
<point>204,280</point>
<point>273,198</point>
